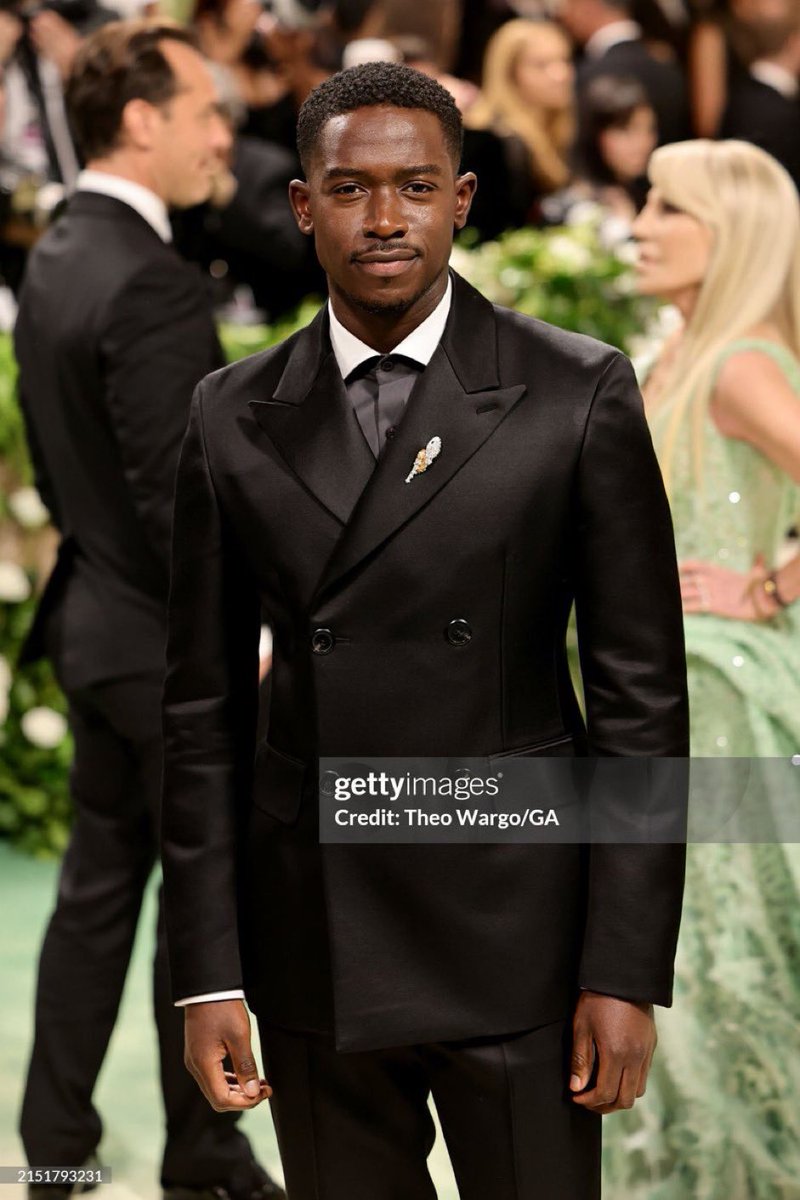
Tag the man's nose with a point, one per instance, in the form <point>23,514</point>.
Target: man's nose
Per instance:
<point>383,217</point>
<point>222,136</point>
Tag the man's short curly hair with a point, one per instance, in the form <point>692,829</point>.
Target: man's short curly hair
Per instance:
<point>369,85</point>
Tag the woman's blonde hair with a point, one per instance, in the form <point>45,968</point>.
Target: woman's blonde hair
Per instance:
<point>750,204</point>
<point>548,136</point>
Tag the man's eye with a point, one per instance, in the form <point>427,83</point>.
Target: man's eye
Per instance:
<point>420,188</point>
<point>346,189</point>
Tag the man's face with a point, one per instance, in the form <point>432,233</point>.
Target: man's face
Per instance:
<point>382,200</point>
<point>576,17</point>
<point>190,138</point>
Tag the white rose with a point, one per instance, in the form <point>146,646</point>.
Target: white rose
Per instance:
<point>627,251</point>
<point>569,255</point>
<point>44,727</point>
<point>27,508</point>
<point>586,212</point>
<point>14,585</point>
<point>461,260</point>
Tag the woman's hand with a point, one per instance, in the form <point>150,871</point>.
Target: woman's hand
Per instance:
<point>708,588</point>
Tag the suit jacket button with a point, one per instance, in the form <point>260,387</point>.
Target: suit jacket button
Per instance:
<point>458,632</point>
<point>322,641</point>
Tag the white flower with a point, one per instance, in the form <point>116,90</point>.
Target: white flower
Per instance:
<point>27,508</point>
<point>44,727</point>
<point>568,254</point>
<point>626,250</point>
<point>14,585</point>
<point>5,687</point>
<point>586,212</point>
<point>461,260</point>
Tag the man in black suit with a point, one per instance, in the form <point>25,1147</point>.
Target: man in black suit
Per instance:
<point>613,45</point>
<point>764,105</point>
<point>114,332</point>
<point>415,612</point>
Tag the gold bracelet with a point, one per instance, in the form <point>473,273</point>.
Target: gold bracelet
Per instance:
<point>770,585</point>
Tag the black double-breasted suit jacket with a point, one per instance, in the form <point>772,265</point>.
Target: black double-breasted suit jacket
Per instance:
<point>546,491</point>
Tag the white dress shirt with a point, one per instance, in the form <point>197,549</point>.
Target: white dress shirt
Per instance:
<point>146,203</point>
<point>610,35</point>
<point>420,344</point>
<point>775,76</point>
<point>350,352</point>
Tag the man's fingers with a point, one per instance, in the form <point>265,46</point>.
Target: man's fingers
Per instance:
<point>645,1071</point>
<point>233,1083</point>
<point>582,1059</point>
<point>627,1089</point>
<point>244,1067</point>
<point>223,1091</point>
<point>606,1089</point>
<point>214,1031</point>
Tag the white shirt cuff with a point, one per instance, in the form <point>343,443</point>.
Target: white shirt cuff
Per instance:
<point>236,994</point>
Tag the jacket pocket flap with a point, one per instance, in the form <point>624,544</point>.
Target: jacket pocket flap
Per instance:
<point>278,781</point>
<point>563,746</point>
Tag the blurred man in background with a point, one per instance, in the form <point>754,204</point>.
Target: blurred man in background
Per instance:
<point>114,331</point>
<point>613,44</point>
<point>764,104</point>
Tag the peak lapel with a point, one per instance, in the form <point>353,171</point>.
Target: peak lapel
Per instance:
<point>313,425</point>
<point>459,402</point>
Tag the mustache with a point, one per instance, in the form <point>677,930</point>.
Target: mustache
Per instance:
<point>386,248</point>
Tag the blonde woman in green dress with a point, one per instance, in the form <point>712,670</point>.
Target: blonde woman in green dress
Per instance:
<point>719,238</point>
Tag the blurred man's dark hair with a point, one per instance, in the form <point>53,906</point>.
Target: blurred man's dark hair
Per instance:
<point>120,62</point>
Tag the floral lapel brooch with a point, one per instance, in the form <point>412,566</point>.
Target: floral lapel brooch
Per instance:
<point>425,457</point>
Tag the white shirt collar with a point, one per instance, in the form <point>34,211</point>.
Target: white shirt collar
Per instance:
<point>611,35</point>
<point>148,205</point>
<point>775,76</point>
<point>420,344</point>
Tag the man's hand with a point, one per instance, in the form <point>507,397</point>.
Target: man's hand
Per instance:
<point>623,1035</point>
<point>10,32</point>
<point>214,1029</point>
<point>56,39</point>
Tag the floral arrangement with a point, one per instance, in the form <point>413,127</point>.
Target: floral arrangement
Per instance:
<point>576,277</point>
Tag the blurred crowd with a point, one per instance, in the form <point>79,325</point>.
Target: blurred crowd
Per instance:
<point>563,102</point>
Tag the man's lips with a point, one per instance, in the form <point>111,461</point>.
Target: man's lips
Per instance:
<point>386,262</point>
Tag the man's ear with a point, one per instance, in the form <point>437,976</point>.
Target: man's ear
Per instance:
<point>466,185</point>
<point>138,124</point>
<point>300,200</point>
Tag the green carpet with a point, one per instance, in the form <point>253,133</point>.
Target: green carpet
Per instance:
<point>127,1092</point>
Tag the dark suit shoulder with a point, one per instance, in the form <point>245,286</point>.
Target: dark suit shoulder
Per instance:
<point>540,347</point>
<point>99,254</point>
<point>256,375</point>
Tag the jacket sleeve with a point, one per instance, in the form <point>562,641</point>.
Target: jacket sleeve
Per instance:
<point>155,349</point>
<point>633,666</point>
<point>210,710</point>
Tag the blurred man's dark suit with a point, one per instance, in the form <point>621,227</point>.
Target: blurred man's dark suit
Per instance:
<point>421,618</point>
<point>765,116</point>
<point>114,331</point>
<point>254,239</point>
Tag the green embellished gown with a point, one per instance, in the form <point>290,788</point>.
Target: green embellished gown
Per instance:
<point>720,1119</point>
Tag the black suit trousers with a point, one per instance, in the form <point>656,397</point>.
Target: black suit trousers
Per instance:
<point>356,1126</point>
<point>115,783</point>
